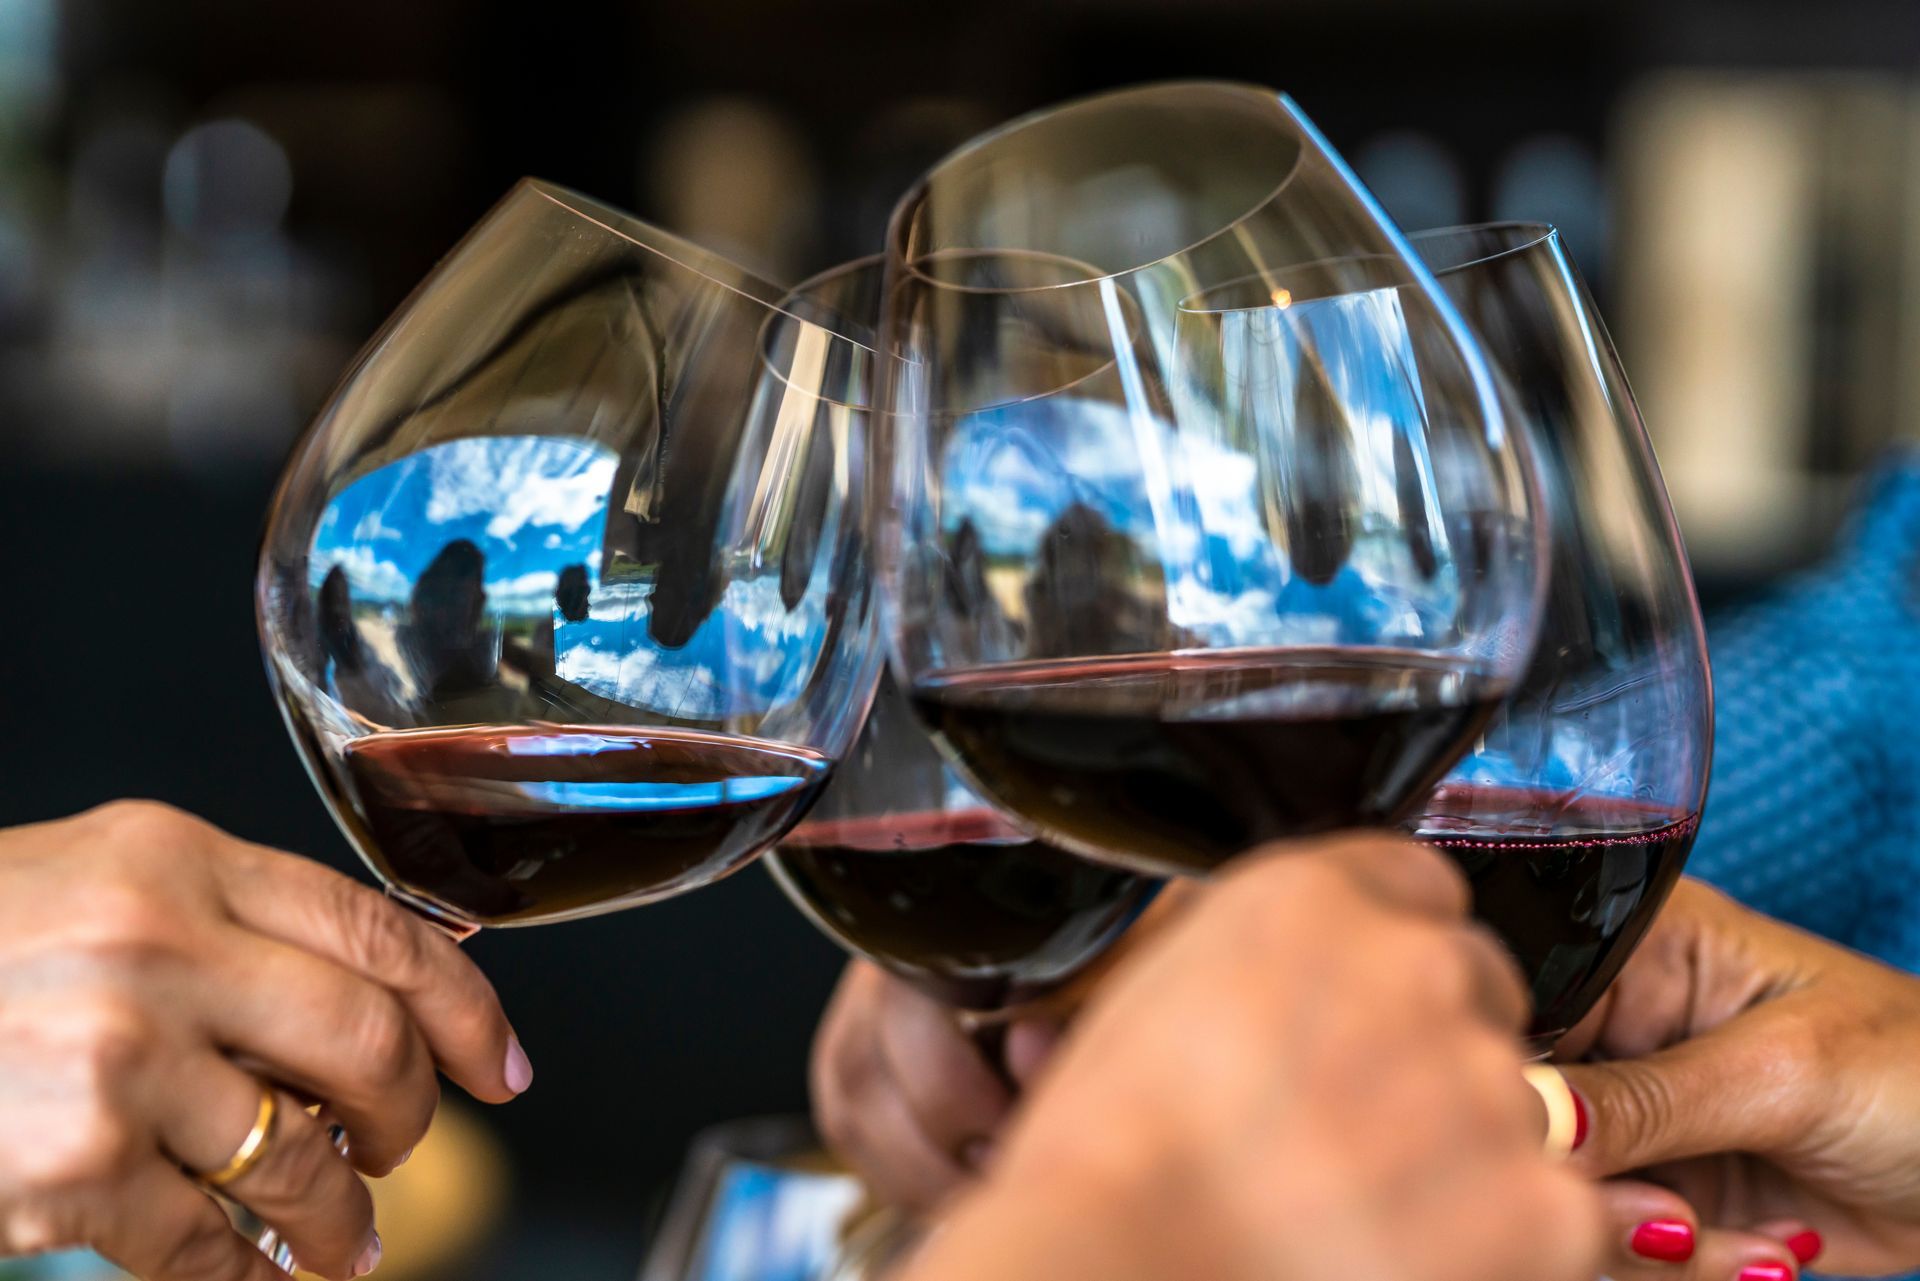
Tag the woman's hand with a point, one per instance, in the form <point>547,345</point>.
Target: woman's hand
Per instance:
<point>153,973</point>
<point>1761,1081</point>
<point>1312,1072</point>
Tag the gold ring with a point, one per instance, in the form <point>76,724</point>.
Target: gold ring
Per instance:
<point>251,1148</point>
<point>1563,1117</point>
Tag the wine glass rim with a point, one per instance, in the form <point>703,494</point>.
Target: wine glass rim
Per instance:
<point>883,261</point>
<point>1527,235</point>
<point>1284,104</point>
<point>685,254</point>
<point>851,267</point>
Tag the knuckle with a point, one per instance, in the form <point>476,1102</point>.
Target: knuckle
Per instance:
<point>125,919</point>
<point>1639,1106</point>
<point>138,826</point>
<point>1444,968</point>
<point>382,1038</point>
<point>38,1225</point>
<point>376,931</point>
<point>112,1041</point>
<point>80,1154</point>
<point>1285,882</point>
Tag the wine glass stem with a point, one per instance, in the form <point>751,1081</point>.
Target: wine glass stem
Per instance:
<point>987,1029</point>
<point>278,1252</point>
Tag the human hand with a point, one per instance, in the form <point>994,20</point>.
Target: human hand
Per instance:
<point>1313,1071</point>
<point>1757,1082</point>
<point>905,1096</point>
<point>154,971</point>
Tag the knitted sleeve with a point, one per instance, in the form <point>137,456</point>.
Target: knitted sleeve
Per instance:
<point>1811,812</point>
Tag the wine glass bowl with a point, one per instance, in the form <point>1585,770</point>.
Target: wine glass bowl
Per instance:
<point>903,863</point>
<point>564,595</point>
<point>1199,539</point>
<point>1574,812</point>
<point>900,861</point>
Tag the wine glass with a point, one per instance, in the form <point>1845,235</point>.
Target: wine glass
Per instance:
<point>900,861</point>
<point>1188,544</point>
<point>564,595</point>
<point>757,1200</point>
<point>1575,811</point>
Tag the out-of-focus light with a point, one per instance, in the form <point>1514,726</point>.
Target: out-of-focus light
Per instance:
<point>1415,177</point>
<point>28,58</point>
<point>733,173</point>
<point>227,177</point>
<point>229,411</point>
<point>1282,298</point>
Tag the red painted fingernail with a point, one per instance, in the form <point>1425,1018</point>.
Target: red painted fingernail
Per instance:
<point>1806,1246</point>
<point>1668,1240</point>
<point>1579,1118</point>
<point>1764,1272</point>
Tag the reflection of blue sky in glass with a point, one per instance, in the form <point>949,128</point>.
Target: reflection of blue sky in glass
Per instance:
<point>534,505</point>
<point>751,654</point>
<point>531,504</point>
<point>1014,469</point>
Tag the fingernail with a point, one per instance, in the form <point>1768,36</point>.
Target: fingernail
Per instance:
<point>403,1158</point>
<point>1806,1246</point>
<point>519,1067</point>
<point>1765,1272</point>
<point>369,1257</point>
<point>1667,1240</point>
<point>1579,1118</point>
<point>976,1152</point>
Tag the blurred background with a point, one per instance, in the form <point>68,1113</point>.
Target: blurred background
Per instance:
<point>207,205</point>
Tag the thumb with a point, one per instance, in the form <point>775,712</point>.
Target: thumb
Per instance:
<point>1733,1089</point>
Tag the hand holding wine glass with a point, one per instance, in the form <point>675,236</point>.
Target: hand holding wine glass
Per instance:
<point>1311,1073</point>
<point>1763,1075</point>
<point>159,976</point>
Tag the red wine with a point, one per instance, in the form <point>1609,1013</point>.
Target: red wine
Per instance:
<point>1177,762</point>
<point>515,824</point>
<point>966,906</point>
<point>1569,886</point>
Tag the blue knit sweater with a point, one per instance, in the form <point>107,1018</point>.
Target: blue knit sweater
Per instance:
<point>1813,814</point>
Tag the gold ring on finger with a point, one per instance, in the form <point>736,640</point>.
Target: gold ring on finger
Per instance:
<point>251,1148</point>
